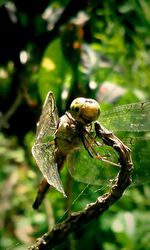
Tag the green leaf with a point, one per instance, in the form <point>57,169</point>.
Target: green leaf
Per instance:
<point>55,72</point>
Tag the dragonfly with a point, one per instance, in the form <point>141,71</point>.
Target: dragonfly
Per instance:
<point>72,139</point>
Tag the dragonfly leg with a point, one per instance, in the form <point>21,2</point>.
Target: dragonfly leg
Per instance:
<point>104,158</point>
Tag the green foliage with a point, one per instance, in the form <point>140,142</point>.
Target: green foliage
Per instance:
<point>54,69</point>
<point>71,57</point>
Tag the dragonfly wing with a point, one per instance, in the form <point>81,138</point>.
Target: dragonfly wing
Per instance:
<point>45,159</point>
<point>89,170</point>
<point>131,117</point>
<point>44,147</point>
<point>48,121</point>
<point>140,148</point>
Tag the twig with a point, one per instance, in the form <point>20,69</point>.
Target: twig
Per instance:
<point>4,118</point>
<point>96,209</point>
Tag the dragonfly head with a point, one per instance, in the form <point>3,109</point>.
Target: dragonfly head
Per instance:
<point>85,110</point>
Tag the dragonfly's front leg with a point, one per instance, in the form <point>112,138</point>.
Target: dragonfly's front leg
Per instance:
<point>88,140</point>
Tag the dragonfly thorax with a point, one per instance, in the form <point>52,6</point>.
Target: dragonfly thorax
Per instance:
<point>67,136</point>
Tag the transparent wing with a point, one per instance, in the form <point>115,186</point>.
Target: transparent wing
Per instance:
<point>96,171</point>
<point>140,148</point>
<point>44,148</point>
<point>48,121</point>
<point>45,159</point>
<point>131,117</point>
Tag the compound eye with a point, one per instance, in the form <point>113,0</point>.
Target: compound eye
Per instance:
<point>76,109</point>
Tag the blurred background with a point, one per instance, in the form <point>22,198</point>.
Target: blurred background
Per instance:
<point>96,49</point>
